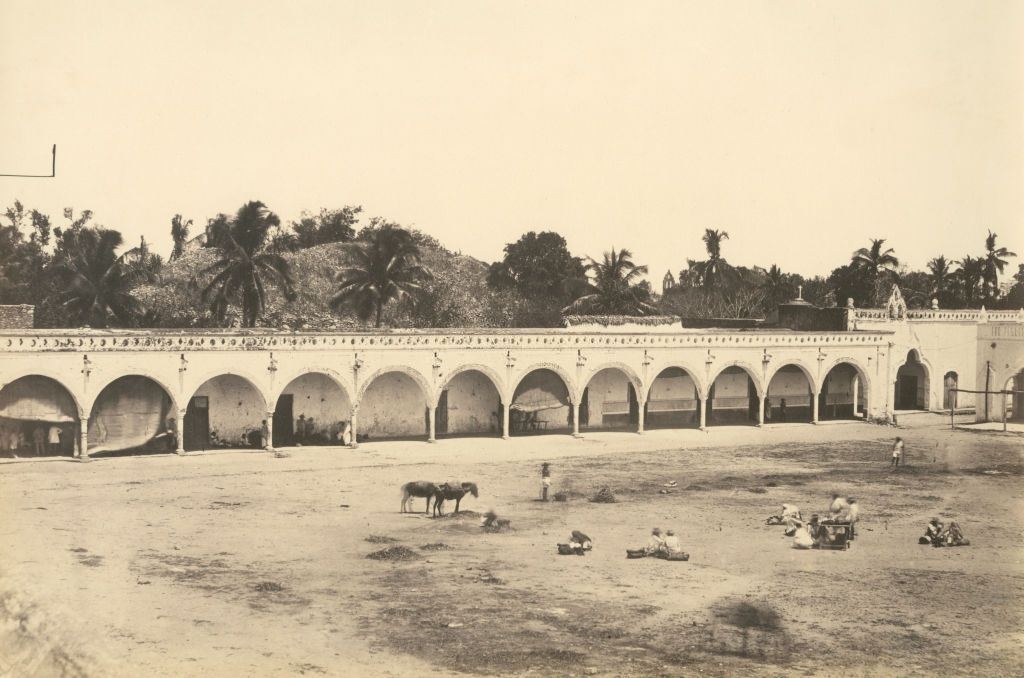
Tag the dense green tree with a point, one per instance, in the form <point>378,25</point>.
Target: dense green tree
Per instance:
<point>877,265</point>
<point>23,259</point>
<point>849,282</point>
<point>614,287</point>
<point>715,271</point>
<point>777,287</point>
<point>386,268</point>
<point>942,278</point>
<point>970,281</point>
<point>245,264</point>
<point>995,262</point>
<point>95,282</point>
<point>338,225</point>
<point>538,265</point>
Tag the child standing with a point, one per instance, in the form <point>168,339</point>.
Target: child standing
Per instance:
<point>545,480</point>
<point>897,452</point>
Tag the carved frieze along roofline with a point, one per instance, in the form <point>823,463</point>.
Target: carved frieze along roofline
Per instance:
<point>156,340</point>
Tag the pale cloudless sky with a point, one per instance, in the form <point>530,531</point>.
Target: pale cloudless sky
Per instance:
<point>801,128</point>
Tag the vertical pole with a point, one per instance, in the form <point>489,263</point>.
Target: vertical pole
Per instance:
<point>83,439</point>
<point>270,432</point>
<point>179,426</point>
<point>703,414</point>
<point>506,412</point>
<point>432,418</point>
<point>814,408</point>
<point>576,419</point>
<point>640,417</point>
<point>988,376</point>
<point>760,409</point>
<point>1003,408</point>
<point>355,427</point>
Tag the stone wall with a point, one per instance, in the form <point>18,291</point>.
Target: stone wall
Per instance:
<point>474,405</point>
<point>17,317</point>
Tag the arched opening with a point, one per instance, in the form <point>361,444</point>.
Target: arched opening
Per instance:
<point>790,397</point>
<point>393,406</point>
<point>540,404</point>
<point>842,394</point>
<point>609,402</point>
<point>132,415</point>
<point>469,404</point>
<point>227,411</point>
<point>38,417</point>
<point>673,401</point>
<point>912,384</point>
<point>733,399</point>
<point>949,394</point>
<point>311,410</point>
<point>1014,397</point>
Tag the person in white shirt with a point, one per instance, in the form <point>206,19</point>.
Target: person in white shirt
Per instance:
<point>672,544</point>
<point>838,509</point>
<point>852,514</point>
<point>656,544</point>
<point>897,452</point>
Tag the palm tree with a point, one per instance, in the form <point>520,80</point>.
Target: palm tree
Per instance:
<point>245,264</point>
<point>777,287</point>
<point>179,234</point>
<point>942,275</point>
<point>970,279</point>
<point>876,263</point>
<point>715,269</point>
<point>614,287</point>
<point>994,262</point>
<point>95,281</point>
<point>386,268</point>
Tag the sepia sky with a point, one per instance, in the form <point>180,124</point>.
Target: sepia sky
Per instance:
<point>801,128</point>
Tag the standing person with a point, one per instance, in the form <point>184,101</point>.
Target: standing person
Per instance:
<point>39,440</point>
<point>839,508</point>
<point>782,410</point>
<point>300,429</point>
<point>310,431</point>
<point>897,452</point>
<point>852,515</point>
<point>346,433</point>
<point>53,439</point>
<point>264,435</point>
<point>545,480</point>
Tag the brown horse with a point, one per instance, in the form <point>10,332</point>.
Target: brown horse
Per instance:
<point>452,491</point>
<point>418,488</point>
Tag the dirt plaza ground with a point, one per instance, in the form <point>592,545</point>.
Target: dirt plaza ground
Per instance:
<point>238,563</point>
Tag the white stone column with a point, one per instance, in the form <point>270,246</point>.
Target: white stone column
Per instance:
<point>856,393</point>
<point>760,409</point>
<point>270,432</point>
<point>506,413</point>
<point>640,417</point>
<point>83,439</point>
<point>432,419</point>
<point>576,419</point>
<point>703,414</point>
<point>814,408</point>
<point>355,428</point>
<point>179,432</point>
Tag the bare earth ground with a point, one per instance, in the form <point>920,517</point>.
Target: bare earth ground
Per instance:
<point>242,564</point>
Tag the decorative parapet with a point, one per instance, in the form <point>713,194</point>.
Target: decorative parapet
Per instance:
<point>254,340</point>
<point>933,315</point>
<point>589,321</point>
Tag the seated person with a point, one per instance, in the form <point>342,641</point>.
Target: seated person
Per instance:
<point>581,540</point>
<point>803,537</point>
<point>839,509</point>
<point>953,536</point>
<point>672,545</point>
<point>932,533</point>
<point>656,544</point>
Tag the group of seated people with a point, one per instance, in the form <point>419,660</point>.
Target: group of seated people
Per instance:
<point>815,533</point>
<point>664,546</point>
<point>937,534</point>
<point>578,545</point>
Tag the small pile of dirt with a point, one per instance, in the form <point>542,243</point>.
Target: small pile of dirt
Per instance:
<point>380,539</point>
<point>394,553</point>
<point>267,587</point>
<point>488,578</point>
<point>461,515</point>
<point>604,496</point>
<point>437,546</point>
<point>561,496</point>
<point>757,490</point>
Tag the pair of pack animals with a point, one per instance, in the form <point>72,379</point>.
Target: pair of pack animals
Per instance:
<point>438,492</point>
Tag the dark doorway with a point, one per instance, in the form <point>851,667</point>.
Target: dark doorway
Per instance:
<point>197,424</point>
<point>753,401</point>
<point>442,413</point>
<point>284,421</point>
<point>634,407</point>
<point>585,407</point>
<point>906,392</point>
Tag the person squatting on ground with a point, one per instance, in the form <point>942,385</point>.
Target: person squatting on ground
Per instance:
<point>897,452</point>
<point>545,480</point>
<point>656,544</point>
<point>938,535</point>
<point>808,535</point>
<point>580,543</point>
<point>672,545</point>
<point>932,532</point>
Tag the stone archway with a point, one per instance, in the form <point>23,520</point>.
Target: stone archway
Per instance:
<point>733,397</point>
<point>225,411</point>
<point>790,396</point>
<point>468,404</point>
<point>541,402</point>
<point>394,404</point>
<point>912,387</point>
<point>609,400</point>
<point>673,400</point>
<point>312,409</point>
<point>843,393</point>
<point>132,414</point>
<point>39,416</point>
